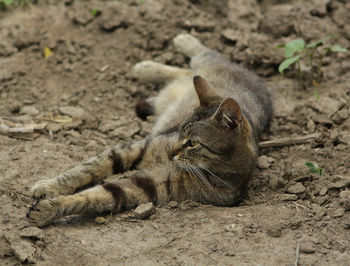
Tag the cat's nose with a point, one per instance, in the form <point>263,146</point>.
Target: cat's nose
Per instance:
<point>175,150</point>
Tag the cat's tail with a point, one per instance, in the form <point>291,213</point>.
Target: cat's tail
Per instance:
<point>188,45</point>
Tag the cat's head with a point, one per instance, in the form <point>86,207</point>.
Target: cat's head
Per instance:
<point>215,135</point>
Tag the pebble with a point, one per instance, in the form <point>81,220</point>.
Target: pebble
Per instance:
<point>307,247</point>
<point>29,110</point>
<point>32,232</point>
<point>71,111</point>
<point>173,204</point>
<point>100,220</point>
<point>23,250</point>
<point>264,162</point>
<point>231,35</point>
<point>288,197</point>
<point>274,231</point>
<point>234,228</point>
<point>327,105</point>
<point>345,199</point>
<point>296,188</point>
<point>275,182</point>
<point>144,211</point>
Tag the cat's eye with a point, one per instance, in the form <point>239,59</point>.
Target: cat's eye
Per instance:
<point>191,143</point>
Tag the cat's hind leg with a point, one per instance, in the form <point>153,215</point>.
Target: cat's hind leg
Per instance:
<point>188,45</point>
<point>150,71</point>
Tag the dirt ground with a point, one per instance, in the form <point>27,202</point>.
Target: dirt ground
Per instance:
<point>81,100</point>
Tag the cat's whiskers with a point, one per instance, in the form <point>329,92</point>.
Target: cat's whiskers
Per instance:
<point>218,178</point>
<point>200,175</point>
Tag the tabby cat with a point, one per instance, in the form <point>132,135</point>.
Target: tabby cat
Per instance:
<point>203,146</point>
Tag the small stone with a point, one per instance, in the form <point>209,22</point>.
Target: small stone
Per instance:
<point>234,228</point>
<point>71,111</point>
<point>338,213</point>
<point>323,191</point>
<point>264,162</point>
<point>288,197</point>
<point>53,127</point>
<point>173,204</point>
<point>5,75</point>
<point>32,232</point>
<point>307,247</point>
<point>296,188</point>
<point>23,250</point>
<point>231,35</point>
<point>100,220</point>
<point>29,110</point>
<point>274,231</point>
<point>345,199</point>
<point>340,116</point>
<point>144,211</point>
<point>275,182</point>
<point>343,181</point>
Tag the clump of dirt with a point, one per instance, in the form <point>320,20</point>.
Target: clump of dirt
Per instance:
<point>66,94</point>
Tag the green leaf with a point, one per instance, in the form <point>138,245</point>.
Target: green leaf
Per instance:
<point>314,168</point>
<point>317,95</point>
<point>94,12</point>
<point>294,46</point>
<point>7,2</point>
<point>320,42</point>
<point>286,63</point>
<point>337,48</point>
<point>280,46</point>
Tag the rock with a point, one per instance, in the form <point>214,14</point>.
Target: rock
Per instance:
<point>276,21</point>
<point>72,111</point>
<point>345,199</point>
<point>340,116</point>
<point>327,105</point>
<point>274,231</point>
<point>173,204</point>
<point>288,197</point>
<point>29,110</point>
<point>23,250</point>
<point>117,15</point>
<point>296,188</point>
<point>307,247</point>
<point>5,249</point>
<point>338,213</point>
<point>234,228</point>
<point>100,220</point>
<point>245,14</point>
<point>53,127</point>
<point>231,35</point>
<point>144,211</point>
<point>264,162</point>
<point>6,49</point>
<point>32,232</point>
<point>323,191</point>
<point>343,181</point>
<point>200,24</point>
<point>5,75</point>
<point>276,182</point>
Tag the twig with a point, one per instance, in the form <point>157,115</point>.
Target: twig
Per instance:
<point>289,141</point>
<point>297,254</point>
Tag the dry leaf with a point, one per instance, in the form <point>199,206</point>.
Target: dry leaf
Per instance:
<point>47,52</point>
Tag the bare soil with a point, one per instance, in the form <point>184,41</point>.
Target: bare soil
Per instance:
<point>81,100</point>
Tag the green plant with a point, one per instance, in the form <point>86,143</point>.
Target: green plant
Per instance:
<point>314,168</point>
<point>296,51</point>
<point>5,3</point>
<point>95,12</point>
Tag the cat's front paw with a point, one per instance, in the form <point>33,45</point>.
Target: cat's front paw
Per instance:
<point>42,213</point>
<point>45,189</point>
<point>188,45</point>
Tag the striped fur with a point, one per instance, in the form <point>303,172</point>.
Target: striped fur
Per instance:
<point>203,146</point>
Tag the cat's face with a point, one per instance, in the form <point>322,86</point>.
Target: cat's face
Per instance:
<point>210,135</point>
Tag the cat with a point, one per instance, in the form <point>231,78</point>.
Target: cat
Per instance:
<point>203,146</point>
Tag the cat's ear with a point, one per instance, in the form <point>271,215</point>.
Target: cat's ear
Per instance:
<point>229,114</point>
<point>205,90</point>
